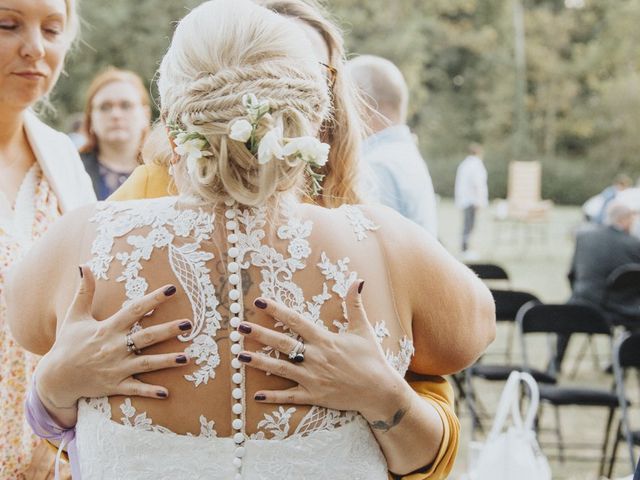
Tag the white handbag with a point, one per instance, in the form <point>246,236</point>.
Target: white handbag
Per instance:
<point>514,453</point>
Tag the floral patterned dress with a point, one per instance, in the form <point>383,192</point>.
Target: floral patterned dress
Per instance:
<point>36,208</point>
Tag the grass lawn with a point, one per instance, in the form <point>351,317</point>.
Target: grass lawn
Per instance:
<point>537,259</point>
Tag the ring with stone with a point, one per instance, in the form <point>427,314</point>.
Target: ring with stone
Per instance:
<point>131,347</point>
<point>297,352</point>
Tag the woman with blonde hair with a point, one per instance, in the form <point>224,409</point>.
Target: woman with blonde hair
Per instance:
<point>242,103</point>
<point>42,177</point>
<point>116,121</point>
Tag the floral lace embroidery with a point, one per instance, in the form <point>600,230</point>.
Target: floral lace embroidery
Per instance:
<point>187,261</point>
<point>189,265</point>
<point>358,221</point>
<point>400,361</point>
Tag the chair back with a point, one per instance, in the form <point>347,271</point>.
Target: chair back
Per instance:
<point>556,319</point>
<point>489,271</point>
<point>625,277</point>
<point>508,302</point>
<point>562,318</point>
<point>626,354</point>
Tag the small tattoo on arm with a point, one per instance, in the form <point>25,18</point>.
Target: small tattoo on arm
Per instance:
<point>385,426</point>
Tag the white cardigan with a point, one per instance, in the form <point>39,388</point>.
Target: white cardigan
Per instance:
<point>60,163</point>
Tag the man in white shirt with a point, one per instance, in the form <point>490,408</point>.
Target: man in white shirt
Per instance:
<point>471,192</point>
<point>400,177</point>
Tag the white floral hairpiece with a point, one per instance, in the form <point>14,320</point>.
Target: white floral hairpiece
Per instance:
<point>273,145</point>
<point>192,145</point>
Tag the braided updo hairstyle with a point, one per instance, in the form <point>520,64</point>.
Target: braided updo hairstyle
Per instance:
<point>222,50</point>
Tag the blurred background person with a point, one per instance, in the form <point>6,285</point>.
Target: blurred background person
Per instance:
<point>599,251</point>
<point>116,120</point>
<point>400,175</point>
<point>471,193</point>
<point>41,178</point>
<point>595,208</point>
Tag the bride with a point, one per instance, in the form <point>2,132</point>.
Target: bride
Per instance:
<point>242,104</point>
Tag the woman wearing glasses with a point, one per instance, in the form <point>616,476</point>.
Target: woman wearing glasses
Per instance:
<point>116,120</point>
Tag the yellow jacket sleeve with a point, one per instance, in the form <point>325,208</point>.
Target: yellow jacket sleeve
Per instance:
<point>146,181</point>
<point>438,392</point>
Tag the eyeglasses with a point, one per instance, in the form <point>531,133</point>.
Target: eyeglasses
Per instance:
<point>332,74</point>
<point>125,106</point>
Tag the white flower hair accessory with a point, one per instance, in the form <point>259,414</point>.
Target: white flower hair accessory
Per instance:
<point>192,145</point>
<point>273,145</point>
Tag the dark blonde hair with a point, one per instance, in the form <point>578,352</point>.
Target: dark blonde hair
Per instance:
<point>110,75</point>
<point>343,130</point>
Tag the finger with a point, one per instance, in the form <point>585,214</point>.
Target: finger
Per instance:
<point>274,366</point>
<point>281,342</point>
<point>135,388</point>
<point>357,317</point>
<point>139,307</point>
<point>291,319</point>
<point>159,333</point>
<point>81,305</point>
<point>295,395</point>
<point>151,363</point>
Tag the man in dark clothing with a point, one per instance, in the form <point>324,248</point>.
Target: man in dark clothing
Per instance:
<point>600,249</point>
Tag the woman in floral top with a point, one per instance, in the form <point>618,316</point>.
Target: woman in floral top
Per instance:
<point>41,177</point>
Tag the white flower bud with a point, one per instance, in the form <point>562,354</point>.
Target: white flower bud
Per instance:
<point>270,146</point>
<point>241,131</point>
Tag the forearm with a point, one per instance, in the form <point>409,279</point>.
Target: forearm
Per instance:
<point>408,428</point>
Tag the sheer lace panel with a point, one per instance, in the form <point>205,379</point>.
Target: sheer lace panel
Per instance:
<point>222,259</point>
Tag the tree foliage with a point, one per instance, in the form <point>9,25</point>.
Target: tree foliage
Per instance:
<point>582,77</point>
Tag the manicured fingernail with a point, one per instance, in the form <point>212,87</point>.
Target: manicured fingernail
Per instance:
<point>81,272</point>
<point>361,286</point>
<point>161,394</point>
<point>244,357</point>
<point>244,328</point>
<point>169,291</point>
<point>185,326</point>
<point>181,359</point>
<point>260,303</point>
<point>259,396</point>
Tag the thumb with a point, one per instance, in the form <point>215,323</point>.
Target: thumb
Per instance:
<point>81,305</point>
<point>357,317</point>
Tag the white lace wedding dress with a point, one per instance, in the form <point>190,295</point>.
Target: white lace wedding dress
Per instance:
<point>288,441</point>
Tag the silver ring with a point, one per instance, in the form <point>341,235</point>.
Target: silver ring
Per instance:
<point>296,354</point>
<point>131,347</point>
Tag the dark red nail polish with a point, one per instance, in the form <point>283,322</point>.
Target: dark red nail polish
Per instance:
<point>244,328</point>
<point>185,326</point>
<point>161,394</point>
<point>181,359</point>
<point>260,303</point>
<point>361,286</point>
<point>169,291</point>
<point>81,272</point>
<point>243,357</point>
<point>260,396</point>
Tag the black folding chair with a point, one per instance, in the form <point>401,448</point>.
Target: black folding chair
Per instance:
<point>626,356</point>
<point>489,271</point>
<point>508,302</point>
<point>568,319</point>
<point>621,298</point>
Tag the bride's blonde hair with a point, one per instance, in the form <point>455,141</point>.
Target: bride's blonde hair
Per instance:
<point>222,50</point>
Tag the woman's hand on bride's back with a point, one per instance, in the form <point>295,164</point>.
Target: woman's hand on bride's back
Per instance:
<point>92,358</point>
<point>345,371</point>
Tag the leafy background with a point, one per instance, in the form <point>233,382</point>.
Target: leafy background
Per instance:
<point>582,78</point>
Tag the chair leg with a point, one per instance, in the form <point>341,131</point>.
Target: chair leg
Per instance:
<point>605,443</point>
<point>614,452</point>
<point>579,357</point>
<point>556,410</point>
<point>510,342</point>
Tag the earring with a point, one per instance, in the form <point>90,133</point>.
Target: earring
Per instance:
<point>172,171</point>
